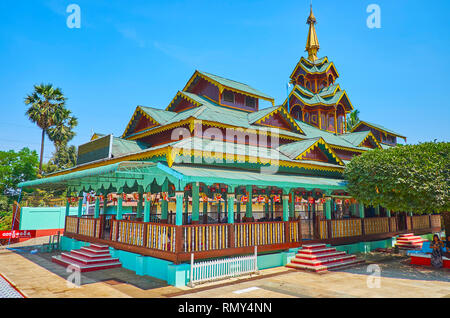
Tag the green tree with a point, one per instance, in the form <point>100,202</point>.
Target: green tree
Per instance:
<point>352,119</point>
<point>63,158</point>
<point>16,167</point>
<point>47,110</point>
<point>411,178</point>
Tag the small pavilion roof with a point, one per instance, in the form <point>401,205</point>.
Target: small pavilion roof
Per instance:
<point>131,174</point>
<point>357,138</point>
<point>230,84</point>
<point>377,127</point>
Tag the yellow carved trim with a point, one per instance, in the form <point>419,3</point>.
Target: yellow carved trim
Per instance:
<point>139,110</point>
<point>376,128</point>
<point>370,134</point>
<point>320,141</point>
<point>222,87</point>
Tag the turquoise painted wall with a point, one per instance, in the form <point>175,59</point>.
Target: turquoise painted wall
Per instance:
<point>44,218</point>
<point>364,247</point>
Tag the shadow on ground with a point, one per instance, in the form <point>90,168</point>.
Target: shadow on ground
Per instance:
<point>113,276</point>
<point>397,266</point>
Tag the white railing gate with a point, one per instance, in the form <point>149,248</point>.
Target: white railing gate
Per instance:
<point>206,271</point>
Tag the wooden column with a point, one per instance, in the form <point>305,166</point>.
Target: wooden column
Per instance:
<point>80,207</point>
<point>377,210</point>
<point>97,208</point>
<point>139,205</point>
<point>67,207</point>
<point>335,121</point>
<point>164,203</point>
<point>119,210</point>
<point>285,207</point>
<point>147,206</point>
<point>105,203</point>
<point>328,209</point>
<point>249,206</point>
<point>179,195</point>
<point>195,203</point>
<point>292,205</point>
<point>230,199</point>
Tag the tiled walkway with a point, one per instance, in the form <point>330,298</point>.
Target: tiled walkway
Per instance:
<point>7,291</point>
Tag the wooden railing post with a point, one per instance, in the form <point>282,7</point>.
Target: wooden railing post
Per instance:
<point>389,225</point>
<point>231,236</point>
<point>145,235</point>
<point>287,233</point>
<point>300,236</point>
<point>78,225</point>
<point>363,227</point>
<point>429,221</point>
<point>329,229</point>
<point>178,242</point>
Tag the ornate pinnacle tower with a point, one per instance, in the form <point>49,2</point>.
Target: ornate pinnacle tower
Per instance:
<point>312,43</point>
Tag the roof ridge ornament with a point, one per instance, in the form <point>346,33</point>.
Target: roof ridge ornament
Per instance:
<point>312,43</point>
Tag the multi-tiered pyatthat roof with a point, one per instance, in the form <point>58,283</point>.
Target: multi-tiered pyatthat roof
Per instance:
<point>316,98</point>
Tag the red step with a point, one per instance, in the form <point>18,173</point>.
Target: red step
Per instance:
<point>320,258</point>
<point>89,254</point>
<point>83,267</point>
<point>88,258</point>
<point>409,241</point>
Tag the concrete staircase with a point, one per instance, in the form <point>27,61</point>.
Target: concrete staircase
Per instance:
<point>320,258</point>
<point>89,258</point>
<point>409,242</point>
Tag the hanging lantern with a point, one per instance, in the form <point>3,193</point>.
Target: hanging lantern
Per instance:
<point>322,200</point>
<point>261,198</point>
<point>298,199</point>
<point>218,197</point>
<point>136,196</point>
<point>244,198</point>
<point>311,200</point>
<point>165,196</point>
<point>276,198</point>
<point>338,201</point>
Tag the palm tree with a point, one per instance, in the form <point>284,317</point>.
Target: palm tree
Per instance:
<point>353,119</point>
<point>47,110</point>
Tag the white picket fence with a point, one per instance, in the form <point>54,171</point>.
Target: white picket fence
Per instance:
<point>207,271</point>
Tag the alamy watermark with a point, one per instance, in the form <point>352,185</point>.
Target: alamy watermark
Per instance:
<point>374,279</point>
<point>374,19</point>
<point>74,278</point>
<point>227,145</point>
<point>74,19</point>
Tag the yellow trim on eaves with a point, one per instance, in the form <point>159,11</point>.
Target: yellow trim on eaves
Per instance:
<point>139,110</point>
<point>370,134</point>
<point>180,93</point>
<point>250,159</point>
<point>222,87</point>
<point>376,128</point>
<point>320,141</point>
<point>288,117</point>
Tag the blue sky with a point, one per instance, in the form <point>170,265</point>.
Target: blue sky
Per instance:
<point>130,53</point>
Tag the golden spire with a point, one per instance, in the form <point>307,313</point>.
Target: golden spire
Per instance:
<point>312,43</point>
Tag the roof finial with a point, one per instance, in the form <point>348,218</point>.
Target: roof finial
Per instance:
<point>312,43</point>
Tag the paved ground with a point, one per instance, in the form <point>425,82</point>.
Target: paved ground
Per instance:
<point>398,279</point>
<point>36,276</point>
<point>7,290</point>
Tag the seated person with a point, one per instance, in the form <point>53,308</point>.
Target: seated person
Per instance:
<point>436,256</point>
<point>447,247</point>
